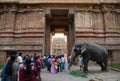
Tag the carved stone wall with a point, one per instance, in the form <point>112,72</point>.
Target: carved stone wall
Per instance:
<point>102,23</point>
<point>23,27</point>
<point>99,24</point>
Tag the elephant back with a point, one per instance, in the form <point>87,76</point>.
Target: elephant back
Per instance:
<point>96,51</point>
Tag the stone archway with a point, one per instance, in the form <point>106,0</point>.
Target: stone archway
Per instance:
<point>59,21</point>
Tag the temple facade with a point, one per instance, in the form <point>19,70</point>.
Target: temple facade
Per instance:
<point>27,25</point>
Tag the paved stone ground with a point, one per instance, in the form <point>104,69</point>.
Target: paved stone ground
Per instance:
<point>94,73</point>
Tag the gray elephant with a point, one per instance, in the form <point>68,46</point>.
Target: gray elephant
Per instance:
<point>90,51</point>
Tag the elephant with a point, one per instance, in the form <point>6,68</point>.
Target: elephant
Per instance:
<point>90,51</point>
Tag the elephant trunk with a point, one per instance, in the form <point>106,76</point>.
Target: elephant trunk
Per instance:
<point>71,59</point>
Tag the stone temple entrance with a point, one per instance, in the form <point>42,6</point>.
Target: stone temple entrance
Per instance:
<point>59,22</point>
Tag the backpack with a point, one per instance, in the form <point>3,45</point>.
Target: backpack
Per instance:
<point>8,70</point>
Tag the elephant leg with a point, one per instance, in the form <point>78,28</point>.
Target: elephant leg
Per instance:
<point>105,66</point>
<point>101,65</point>
<point>85,61</point>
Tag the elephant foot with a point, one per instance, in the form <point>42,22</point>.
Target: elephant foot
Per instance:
<point>85,72</point>
<point>104,70</point>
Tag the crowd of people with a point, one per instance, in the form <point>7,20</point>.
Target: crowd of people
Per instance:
<point>28,68</point>
<point>19,68</point>
<point>56,64</point>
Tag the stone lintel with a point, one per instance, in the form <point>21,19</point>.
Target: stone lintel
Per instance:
<point>59,1</point>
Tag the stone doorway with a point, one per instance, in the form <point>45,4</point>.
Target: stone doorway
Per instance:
<point>59,22</point>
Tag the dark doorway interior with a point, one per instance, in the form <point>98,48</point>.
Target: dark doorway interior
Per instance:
<point>9,53</point>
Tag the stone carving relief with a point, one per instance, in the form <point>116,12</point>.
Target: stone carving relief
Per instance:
<point>34,17</point>
<point>97,20</point>
<point>2,16</point>
<point>7,16</point>
<point>1,20</point>
<point>35,20</point>
<point>83,20</point>
<point>20,21</point>
<point>109,20</point>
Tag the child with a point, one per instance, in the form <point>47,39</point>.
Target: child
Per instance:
<point>57,65</point>
<point>81,62</point>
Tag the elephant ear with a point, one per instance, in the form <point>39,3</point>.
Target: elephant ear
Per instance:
<point>83,49</point>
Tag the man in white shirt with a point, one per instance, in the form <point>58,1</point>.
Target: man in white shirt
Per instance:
<point>20,58</point>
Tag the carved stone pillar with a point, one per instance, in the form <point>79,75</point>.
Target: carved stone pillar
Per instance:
<point>71,30</point>
<point>47,40</point>
<point>47,32</point>
<point>70,37</point>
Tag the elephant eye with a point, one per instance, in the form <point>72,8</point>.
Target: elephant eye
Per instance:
<point>74,49</point>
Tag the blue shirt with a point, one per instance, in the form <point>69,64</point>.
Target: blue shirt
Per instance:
<point>81,59</point>
<point>4,76</point>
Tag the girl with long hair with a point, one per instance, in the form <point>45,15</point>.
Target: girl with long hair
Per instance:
<point>28,72</point>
